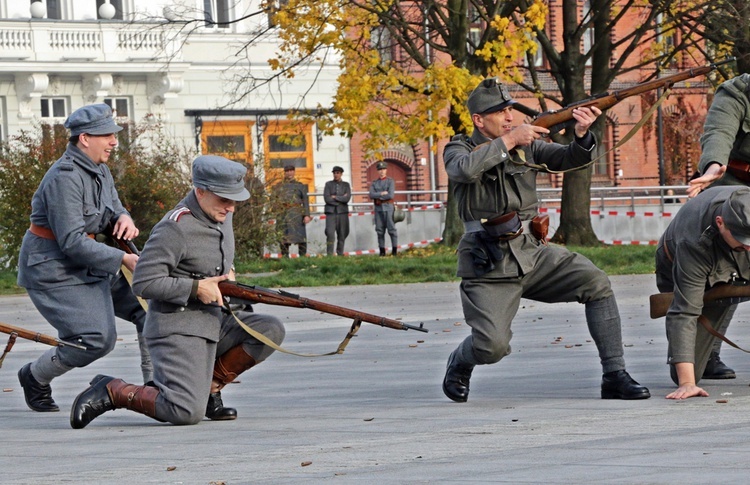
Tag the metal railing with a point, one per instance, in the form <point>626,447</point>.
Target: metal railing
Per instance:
<point>601,198</point>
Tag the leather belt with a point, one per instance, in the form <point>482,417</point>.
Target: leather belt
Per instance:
<point>46,232</point>
<point>383,202</point>
<point>476,226</point>
<point>41,231</point>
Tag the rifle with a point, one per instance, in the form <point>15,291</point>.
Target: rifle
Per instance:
<point>29,335</point>
<point>556,120</point>
<point>244,294</point>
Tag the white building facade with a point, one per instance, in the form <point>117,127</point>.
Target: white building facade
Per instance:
<point>176,60</point>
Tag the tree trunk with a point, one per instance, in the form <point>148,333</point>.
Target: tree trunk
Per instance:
<point>575,219</point>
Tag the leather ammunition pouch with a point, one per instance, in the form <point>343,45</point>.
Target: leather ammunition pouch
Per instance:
<point>740,169</point>
<point>540,227</point>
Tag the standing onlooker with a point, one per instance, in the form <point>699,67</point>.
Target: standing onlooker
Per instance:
<point>337,194</point>
<point>74,281</point>
<point>725,160</point>
<point>294,198</point>
<point>381,193</point>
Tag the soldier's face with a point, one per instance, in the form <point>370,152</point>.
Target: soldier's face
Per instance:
<point>97,147</point>
<point>726,234</point>
<point>336,176</point>
<point>494,125</point>
<point>217,208</point>
<point>289,174</point>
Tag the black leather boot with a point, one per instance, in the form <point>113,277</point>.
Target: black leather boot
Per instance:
<point>394,251</point>
<point>382,251</point>
<point>716,369</point>
<point>457,376</point>
<point>619,385</point>
<point>216,411</point>
<point>38,396</point>
<point>107,393</point>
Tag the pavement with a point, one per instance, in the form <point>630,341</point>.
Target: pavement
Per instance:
<point>376,414</point>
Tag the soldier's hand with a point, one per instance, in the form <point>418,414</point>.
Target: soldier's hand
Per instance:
<point>125,228</point>
<point>208,290</point>
<point>687,390</point>
<point>585,117</point>
<point>129,260</point>
<point>523,135</point>
<point>714,172</point>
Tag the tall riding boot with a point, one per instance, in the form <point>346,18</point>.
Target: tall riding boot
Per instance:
<point>106,394</point>
<point>228,366</point>
<point>394,251</point>
<point>382,251</point>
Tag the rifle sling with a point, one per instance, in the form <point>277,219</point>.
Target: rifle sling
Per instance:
<point>11,342</point>
<point>265,340</point>
<point>707,325</point>
<point>542,167</point>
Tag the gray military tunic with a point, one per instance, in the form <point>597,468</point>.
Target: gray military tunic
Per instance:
<point>184,335</point>
<point>489,180</point>
<point>336,196</point>
<point>384,210</point>
<point>73,280</point>
<point>696,258</point>
<point>726,132</point>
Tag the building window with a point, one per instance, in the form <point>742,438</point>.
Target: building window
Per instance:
<point>216,13</point>
<point>54,10</point>
<point>289,143</point>
<point>54,108</point>
<point>120,107</point>
<point>381,41</point>
<point>229,139</point>
<point>115,3</point>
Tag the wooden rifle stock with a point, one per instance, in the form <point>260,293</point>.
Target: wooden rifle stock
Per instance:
<point>555,120</point>
<point>239,293</point>
<point>37,337</point>
<point>661,302</point>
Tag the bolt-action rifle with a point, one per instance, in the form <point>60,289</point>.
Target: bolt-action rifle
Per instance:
<point>29,335</point>
<point>244,294</point>
<point>556,120</point>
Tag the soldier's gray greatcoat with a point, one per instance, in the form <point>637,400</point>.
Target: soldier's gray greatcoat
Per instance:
<point>384,210</point>
<point>336,196</point>
<point>700,259</point>
<point>487,183</point>
<point>294,196</point>
<point>71,279</point>
<point>183,334</point>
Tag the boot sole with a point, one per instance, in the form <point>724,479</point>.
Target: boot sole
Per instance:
<point>617,395</point>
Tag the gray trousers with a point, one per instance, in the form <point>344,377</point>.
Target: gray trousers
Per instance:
<point>719,317</point>
<point>490,304</point>
<point>337,230</point>
<point>184,364</point>
<point>383,222</point>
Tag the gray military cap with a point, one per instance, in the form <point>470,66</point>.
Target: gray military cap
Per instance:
<point>382,165</point>
<point>337,169</point>
<point>736,214</point>
<point>489,96</point>
<point>94,119</point>
<point>221,176</point>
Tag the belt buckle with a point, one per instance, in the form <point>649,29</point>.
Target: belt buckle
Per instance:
<point>511,235</point>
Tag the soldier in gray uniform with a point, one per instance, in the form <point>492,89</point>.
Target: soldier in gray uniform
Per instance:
<point>74,281</point>
<point>503,255</point>
<point>706,244</point>
<point>197,347</point>
<point>336,195</point>
<point>293,194</point>
<point>725,160</point>
<point>381,192</point>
